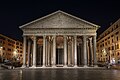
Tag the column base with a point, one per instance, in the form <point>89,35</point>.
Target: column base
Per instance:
<point>53,66</point>
<point>85,66</point>
<point>65,66</point>
<point>75,66</point>
<point>23,66</point>
<point>28,65</point>
<point>34,66</point>
<point>43,66</point>
<point>95,65</point>
<point>92,65</point>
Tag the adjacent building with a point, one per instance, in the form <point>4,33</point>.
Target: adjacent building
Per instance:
<point>59,40</point>
<point>10,49</point>
<point>108,44</point>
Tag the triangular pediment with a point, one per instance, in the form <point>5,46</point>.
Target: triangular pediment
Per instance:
<point>59,19</point>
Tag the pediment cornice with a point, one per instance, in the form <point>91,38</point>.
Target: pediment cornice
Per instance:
<point>59,19</point>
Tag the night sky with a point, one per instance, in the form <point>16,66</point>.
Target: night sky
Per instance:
<point>16,13</point>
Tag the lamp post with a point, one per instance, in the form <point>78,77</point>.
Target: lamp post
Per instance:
<point>15,54</point>
<point>104,52</point>
<point>114,50</point>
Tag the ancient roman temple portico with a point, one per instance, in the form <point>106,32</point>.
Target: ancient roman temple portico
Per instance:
<point>59,40</point>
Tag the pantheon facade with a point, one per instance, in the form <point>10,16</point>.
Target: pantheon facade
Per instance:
<point>59,40</point>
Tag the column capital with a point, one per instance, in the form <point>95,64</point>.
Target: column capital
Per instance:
<point>84,37</point>
<point>54,36</point>
<point>34,37</point>
<point>64,35</point>
<point>44,35</point>
<point>24,35</point>
<point>87,41</point>
<point>90,39</point>
<point>75,35</point>
<point>94,37</point>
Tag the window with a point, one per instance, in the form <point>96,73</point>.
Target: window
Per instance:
<point>11,41</point>
<point>112,54</point>
<point>117,26</point>
<point>108,48</point>
<point>3,48</point>
<point>112,40</point>
<point>118,53</point>
<point>117,38</point>
<point>0,41</point>
<point>102,40</point>
<point>103,45</point>
<point>112,47</point>
<point>111,35</point>
<point>108,42</point>
<point>112,29</point>
<point>17,43</point>
<point>21,47</point>
<point>9,49</point>
<point>117,46</point>
<point>1,37</point>
<point>117,33</point>
<point>20,44</point>
<point>3,42</point>
<point>9,44</point>
<point>17,47</point>
<point>20,51</point>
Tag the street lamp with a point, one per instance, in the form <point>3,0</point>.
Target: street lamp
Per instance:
<point>104,52</point>
<point>15,54</point>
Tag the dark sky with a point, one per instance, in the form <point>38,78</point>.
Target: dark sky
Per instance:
<point>16,13</point>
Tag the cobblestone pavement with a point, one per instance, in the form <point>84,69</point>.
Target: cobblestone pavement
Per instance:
<point>60,74</point>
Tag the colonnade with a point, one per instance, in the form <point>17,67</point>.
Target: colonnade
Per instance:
<point>49,50</point>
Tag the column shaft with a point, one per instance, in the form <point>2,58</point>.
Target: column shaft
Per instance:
<point>54,51</point>
<point>75,49</point>
<point>48,54</point>
<point>29,44</point>
<point>88,53</point>
<point>24,51</point>
<point>94,50</point>
<point>91,52</point>
<point>34,52</point>
<point>84,51</point>
<point>65,51</point>
<point>44,50</point>
<point>72,54</point>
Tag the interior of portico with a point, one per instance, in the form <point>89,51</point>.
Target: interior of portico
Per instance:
<point>60,51</point>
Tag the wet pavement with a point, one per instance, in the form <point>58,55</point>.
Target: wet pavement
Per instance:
<point>60,74</point>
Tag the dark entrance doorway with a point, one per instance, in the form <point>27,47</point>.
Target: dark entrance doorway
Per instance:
<point>59,56</point>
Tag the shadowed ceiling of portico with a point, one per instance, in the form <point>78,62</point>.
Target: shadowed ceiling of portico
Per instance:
<point>59,40</point>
